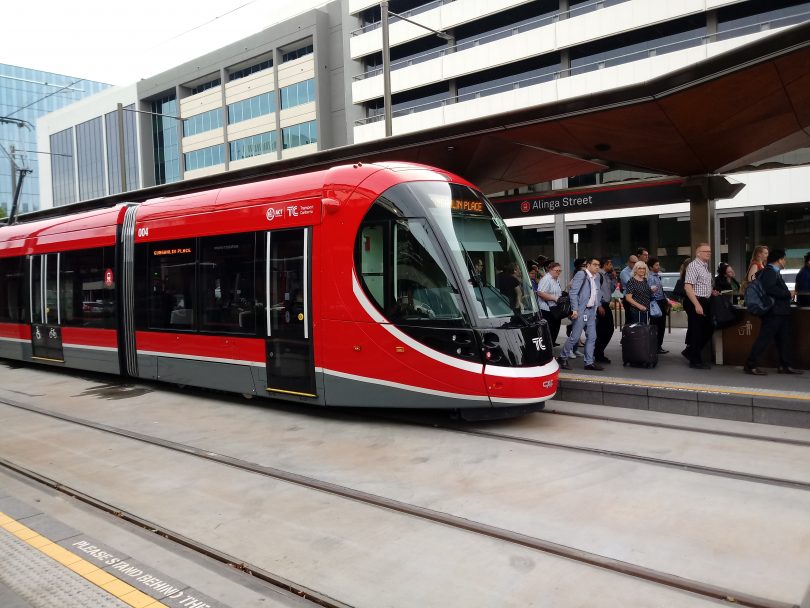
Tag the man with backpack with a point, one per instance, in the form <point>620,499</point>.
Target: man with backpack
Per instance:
<point>776,320</point>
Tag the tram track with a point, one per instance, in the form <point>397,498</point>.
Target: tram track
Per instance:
<point>460,523</point>
<point>679,427</point>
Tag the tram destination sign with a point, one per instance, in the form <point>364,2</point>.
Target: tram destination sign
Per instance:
<point>592,199</point>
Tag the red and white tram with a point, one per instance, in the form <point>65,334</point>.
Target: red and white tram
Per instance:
<point>363,285</point>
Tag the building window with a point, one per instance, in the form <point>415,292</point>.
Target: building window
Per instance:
<point>62,172</point>
<point>251,108</point>
<point>205,157</point>
<point>200,123</point>
<point>166,140</point>
<point>300,135</point>
<point>256,145</point>
<point>291,55</point>
<point>298,93</point>
<point>130,151</point>
<point>90,152</point>
<point>205,86</point>
<point>241,73</point>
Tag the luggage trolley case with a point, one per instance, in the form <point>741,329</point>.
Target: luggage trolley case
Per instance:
<point>640,345</point>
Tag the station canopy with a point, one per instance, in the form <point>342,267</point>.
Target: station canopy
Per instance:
<point>716,116</point>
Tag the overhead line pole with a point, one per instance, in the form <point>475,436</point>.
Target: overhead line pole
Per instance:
<point>386,57</point>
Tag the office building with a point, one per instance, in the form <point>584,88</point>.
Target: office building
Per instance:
<point>26,95</point>
<point>315,82</point>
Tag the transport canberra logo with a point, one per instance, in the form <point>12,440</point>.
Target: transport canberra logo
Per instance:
<point>289,211</point>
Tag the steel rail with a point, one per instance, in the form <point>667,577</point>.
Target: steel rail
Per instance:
<point>681,427</point>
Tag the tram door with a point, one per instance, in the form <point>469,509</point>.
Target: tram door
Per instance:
<point>290,366</point>
<point>43,283</point>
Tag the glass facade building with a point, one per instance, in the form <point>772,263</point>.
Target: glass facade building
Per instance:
<point>25,96</point>
<point>166,140</point>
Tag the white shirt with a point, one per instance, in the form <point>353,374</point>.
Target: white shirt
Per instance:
<point>592,299</point>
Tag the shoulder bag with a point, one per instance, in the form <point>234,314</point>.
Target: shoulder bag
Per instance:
<point>563,307</point>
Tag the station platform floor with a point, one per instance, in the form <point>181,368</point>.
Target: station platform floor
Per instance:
<point>724,391</point>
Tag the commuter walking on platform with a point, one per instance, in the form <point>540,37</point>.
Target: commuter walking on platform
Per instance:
<point>548,292</point>
<point>604,317</point>
<point>803,283</point>
<point>660,298</point>
<point>579,266</point>
<point>698,288</point>
<point>584,296</point>
<point>775,322</point>
<point>638,295</point>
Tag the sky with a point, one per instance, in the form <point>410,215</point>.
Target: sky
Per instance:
<point>120,42</point>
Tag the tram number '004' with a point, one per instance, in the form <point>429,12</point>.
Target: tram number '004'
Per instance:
<point>143,232</point>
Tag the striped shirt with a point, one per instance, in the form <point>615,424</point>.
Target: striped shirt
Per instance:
<point>699,277</point>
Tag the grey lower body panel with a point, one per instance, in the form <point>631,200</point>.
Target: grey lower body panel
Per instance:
<point>15,350</point>
<point>206,374</point>
<point>105,361</point>
<point>351,392</point>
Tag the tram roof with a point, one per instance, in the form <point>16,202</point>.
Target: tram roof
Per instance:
<point>716,116</point>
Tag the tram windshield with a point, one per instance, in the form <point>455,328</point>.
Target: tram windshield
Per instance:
<point>418,284</point>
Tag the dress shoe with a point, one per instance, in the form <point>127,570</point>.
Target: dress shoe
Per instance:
<point>755,371</point>
<point>602,360</point>
<point>563,363</point>
<point>594,367</point>
<point>699,366</point>
<point>685,352</point>
<point>662,351</point>
<point>789,370</point>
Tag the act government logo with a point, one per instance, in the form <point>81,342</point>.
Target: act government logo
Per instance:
<point>525,206</point>
<point>274,213</point>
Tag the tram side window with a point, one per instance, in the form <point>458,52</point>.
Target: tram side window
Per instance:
<point>227,294</point>
<point>415,284</point>
<point>87,288</point>
<point>172,270</point>
<point>13,295</point>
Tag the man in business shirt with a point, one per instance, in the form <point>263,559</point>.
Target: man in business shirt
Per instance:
<point>698,288</point>
<point>775,322</point>
<point>584,296</point>
<point>604,318</point>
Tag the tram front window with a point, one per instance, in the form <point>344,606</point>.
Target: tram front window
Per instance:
<point>484,251</point>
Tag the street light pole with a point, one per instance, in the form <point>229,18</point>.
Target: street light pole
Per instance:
<point>386,57</point>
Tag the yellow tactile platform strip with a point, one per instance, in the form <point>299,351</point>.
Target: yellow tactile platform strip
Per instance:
<point>676,386</point>
<point>92,573</point>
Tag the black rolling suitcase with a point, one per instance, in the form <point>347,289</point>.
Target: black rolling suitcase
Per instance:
<point>640,345</point>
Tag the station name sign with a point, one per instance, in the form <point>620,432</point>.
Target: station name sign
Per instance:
<point>591,199</point>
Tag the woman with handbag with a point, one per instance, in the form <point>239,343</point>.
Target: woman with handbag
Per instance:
<point>660,298</point>
<point>638,295</point>
<point>548,292</point>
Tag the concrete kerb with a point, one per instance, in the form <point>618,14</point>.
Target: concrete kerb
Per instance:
<point>709,402</point>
